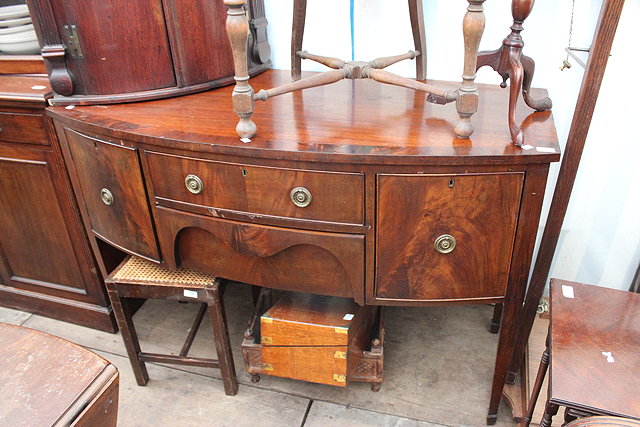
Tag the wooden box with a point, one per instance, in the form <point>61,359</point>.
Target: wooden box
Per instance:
<point>326,340</point>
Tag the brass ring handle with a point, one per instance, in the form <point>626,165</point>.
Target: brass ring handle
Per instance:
<point>193,184</point>
<point>445,243</point>
<point>301,197</point>
<point>106,196</point>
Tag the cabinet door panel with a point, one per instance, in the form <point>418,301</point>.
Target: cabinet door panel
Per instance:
<point>106,29</point>
<point>112,171</point>
<point>34,235</point>
<point>480,211</point>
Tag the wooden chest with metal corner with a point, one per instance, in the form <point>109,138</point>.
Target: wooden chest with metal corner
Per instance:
<point>326,340</point>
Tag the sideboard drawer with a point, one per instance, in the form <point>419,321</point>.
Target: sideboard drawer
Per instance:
<point>22,127</point>
<point>292,193</point>
<point>113,193</point>
<point>445,237</point>
<point>295,260</point>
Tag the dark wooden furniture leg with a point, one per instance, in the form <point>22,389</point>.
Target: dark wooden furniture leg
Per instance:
<point>221,335</point>
<point>297,34</point>
<point>537,386</point>
<point>416,15</point>
<point>129,335</point>
<point>510,63</point>
<point>494,327</point>
<point>549,411</point>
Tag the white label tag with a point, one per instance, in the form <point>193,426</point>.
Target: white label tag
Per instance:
<point>348,316</point>
<point>609,356</point>
<point>546,149</point>
<point>567,291</point>
<point>245,140</point>
<point>69,107</point>
<point>38,87</point>
<point>527,147</point>
<point>190,294</point>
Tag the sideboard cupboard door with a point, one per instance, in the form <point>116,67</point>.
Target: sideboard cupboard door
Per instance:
<point>36,249</point>
<point>97,57</point>
<point>445,237</point>
<point>110,179</point>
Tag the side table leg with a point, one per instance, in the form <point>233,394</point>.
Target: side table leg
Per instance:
<point>537,386</point>
<point>467,102</point>
<point>516,71</point>
<point>542,104</point>
<point>238,31</point>
<point>549,411</point>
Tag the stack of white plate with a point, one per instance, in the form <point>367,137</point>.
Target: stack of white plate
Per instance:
<point>17,36</point>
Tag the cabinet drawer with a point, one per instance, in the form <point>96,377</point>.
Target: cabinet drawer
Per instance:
<point>21,127</point>
<point>296,260</point>
<point>445,237</point>
<point>110,179</point>
<point>320,196</point>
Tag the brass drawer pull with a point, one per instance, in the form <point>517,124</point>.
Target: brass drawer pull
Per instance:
<point>106,196</point>
<point>193,184</point>
<point>445,243</point>
<point>301,197</point>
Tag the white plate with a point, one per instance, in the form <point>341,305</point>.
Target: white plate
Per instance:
<point>12,12</point>
<point>18,29</point>
<point>15,22</point>
<point>27,36</point>
<point>21,48</point>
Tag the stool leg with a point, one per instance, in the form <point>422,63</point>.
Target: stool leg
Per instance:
<point>416,16</point>
<point>221,338</point>
<point>129,336</point>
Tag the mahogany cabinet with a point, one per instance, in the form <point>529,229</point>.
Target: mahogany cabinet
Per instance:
<point>46,265</point>
<point>109,51</point>
<point>353,190</point>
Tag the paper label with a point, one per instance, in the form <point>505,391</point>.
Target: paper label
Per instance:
<point>69,107</point>
<point>38,87</point>
<point>546,149</point>
<point>245,140</point>
<point>348,316</point>
<point>609,356</point>
<point>567,291</point>
<point>527,147</point>
<point>190,294</point>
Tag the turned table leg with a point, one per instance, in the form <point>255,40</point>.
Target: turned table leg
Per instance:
<point>238,31</point>
<point>467,102</point>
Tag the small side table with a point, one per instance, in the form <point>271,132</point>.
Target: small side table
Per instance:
<point>593,353</point>
<point>49,381</point>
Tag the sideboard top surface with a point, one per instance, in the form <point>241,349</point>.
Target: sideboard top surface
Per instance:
<point>349,121</point>
<point>27,89</point>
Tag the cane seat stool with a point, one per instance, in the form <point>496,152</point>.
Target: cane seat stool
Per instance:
<point>138,278</point>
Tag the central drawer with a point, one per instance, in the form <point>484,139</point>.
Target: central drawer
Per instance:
<point>334,197</point>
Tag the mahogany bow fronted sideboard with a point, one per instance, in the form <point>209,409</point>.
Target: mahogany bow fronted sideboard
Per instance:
<point>355,190</point>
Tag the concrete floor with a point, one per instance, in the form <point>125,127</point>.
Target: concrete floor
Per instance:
<point>438,369</point>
